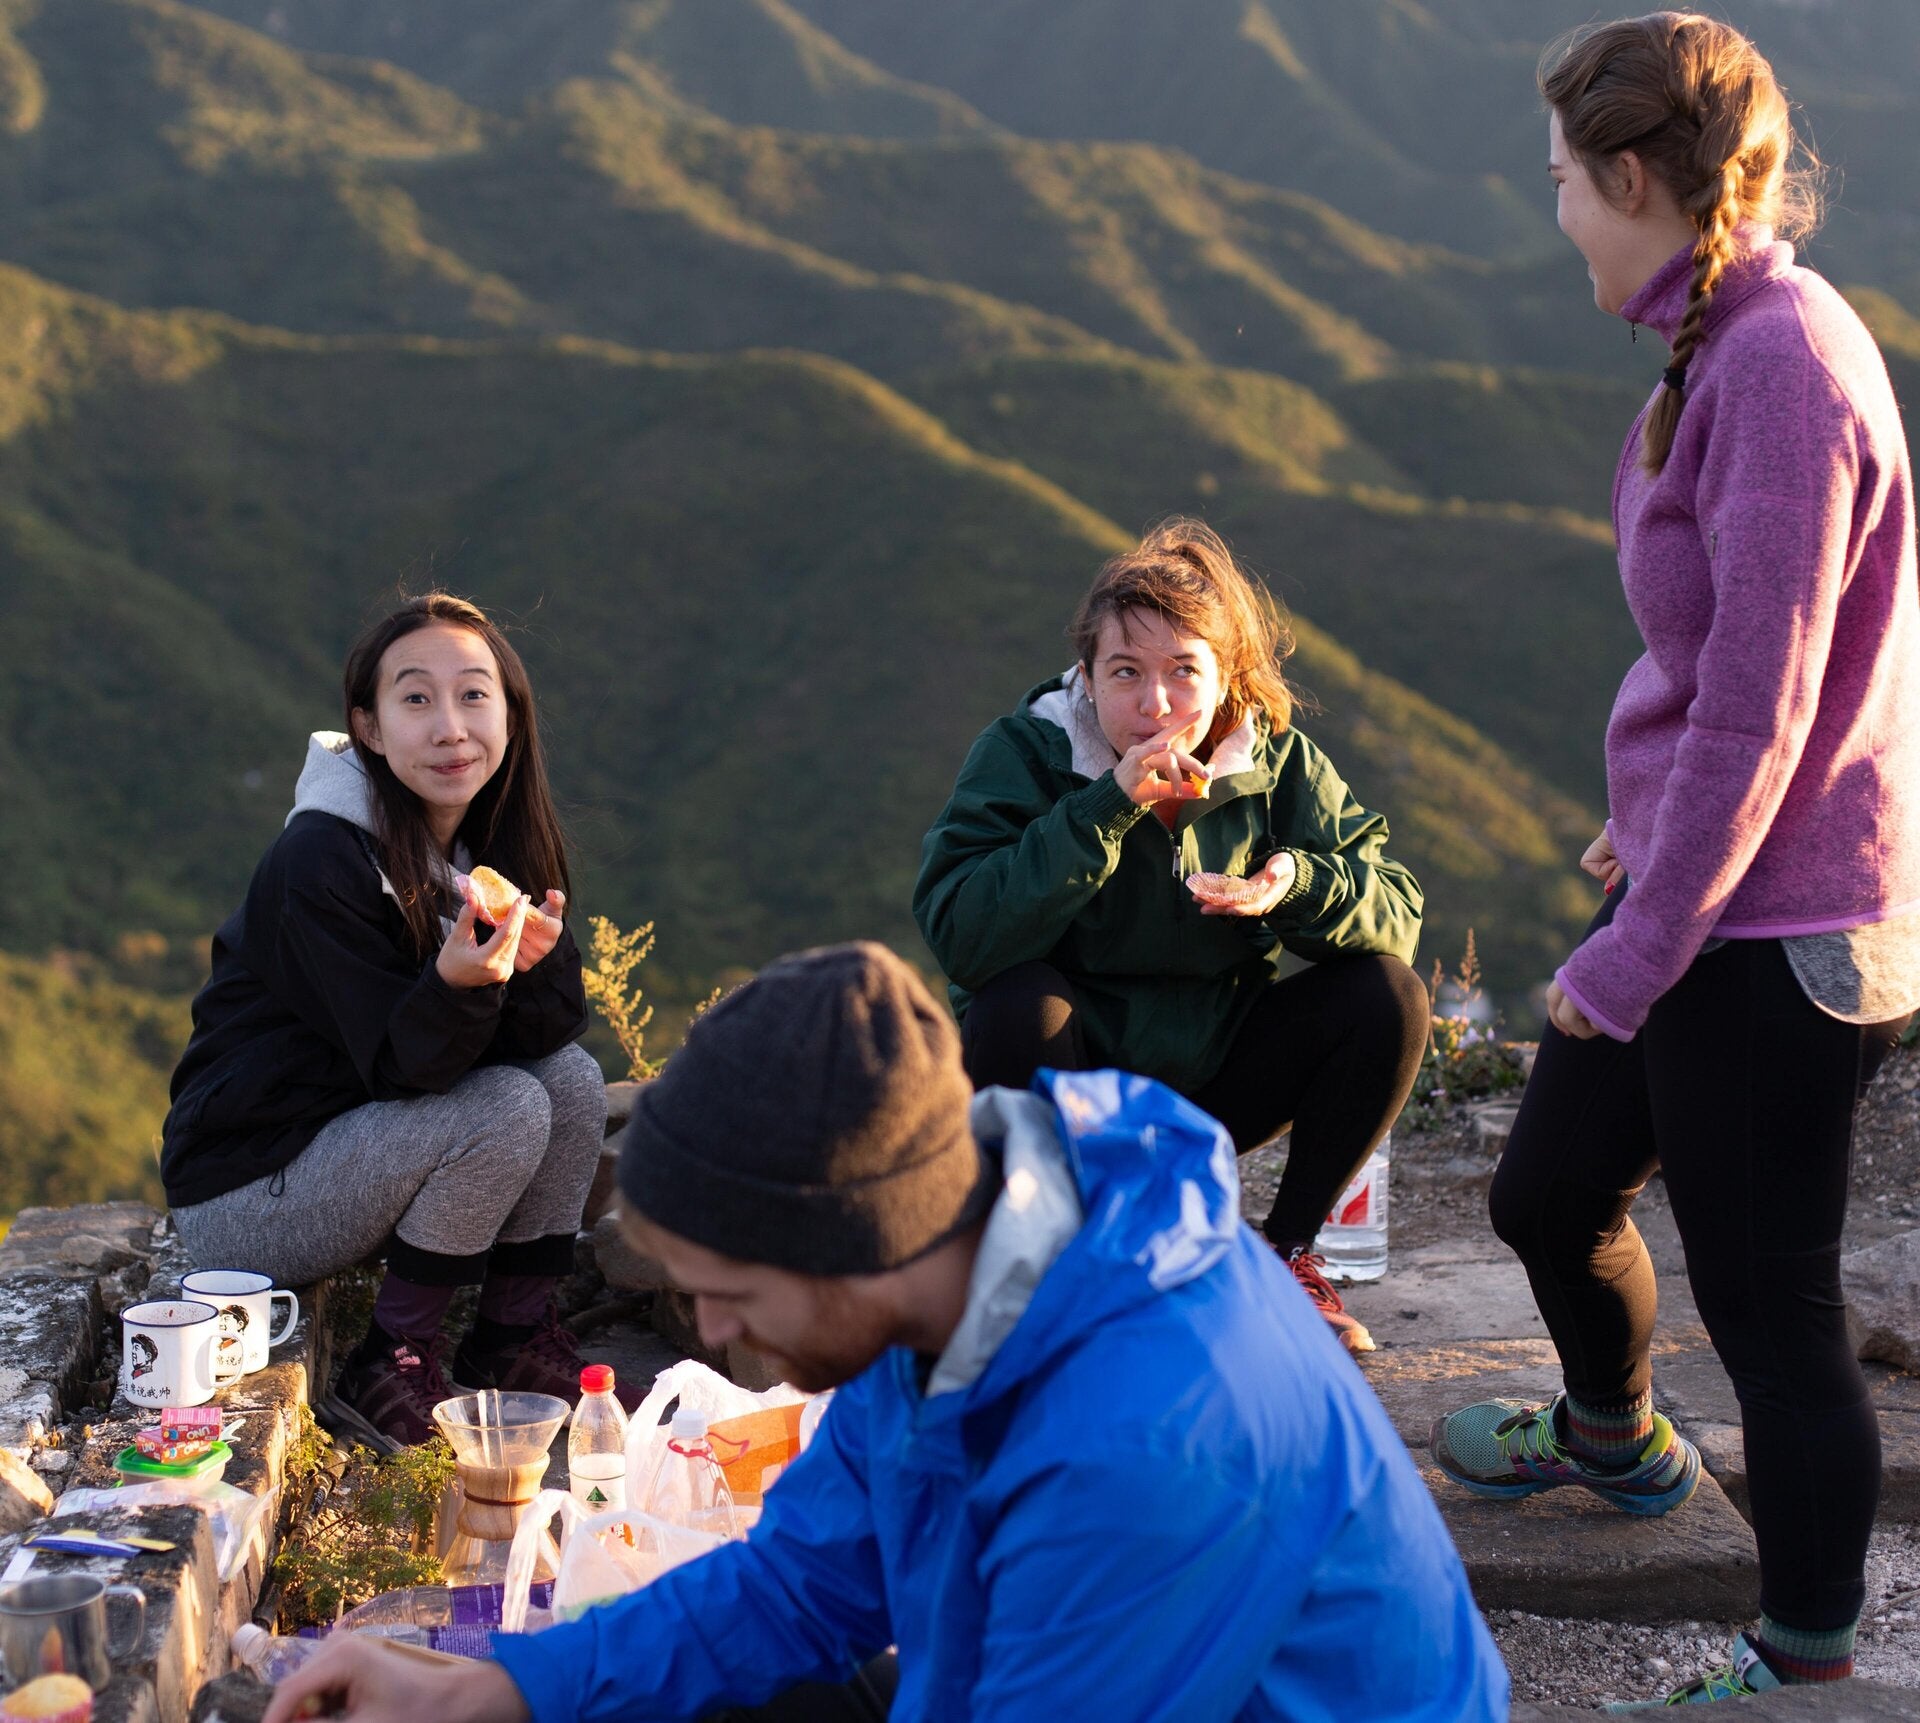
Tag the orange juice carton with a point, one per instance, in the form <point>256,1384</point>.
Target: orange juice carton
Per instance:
<point>754,1448</point>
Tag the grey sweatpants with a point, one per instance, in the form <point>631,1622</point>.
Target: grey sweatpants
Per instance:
<point>505,1156</point>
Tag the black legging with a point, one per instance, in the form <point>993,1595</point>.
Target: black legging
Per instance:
<point>1742,1093</point>
<point>1332,1051</point>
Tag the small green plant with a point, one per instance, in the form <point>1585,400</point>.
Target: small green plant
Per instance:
<point>371,1532</point>
<point>1465,1057</point>
<point>616,996</point>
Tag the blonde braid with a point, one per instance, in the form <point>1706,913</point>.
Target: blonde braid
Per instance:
<point>1716,211</point>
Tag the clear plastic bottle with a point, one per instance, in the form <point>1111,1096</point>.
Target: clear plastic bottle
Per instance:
<point>688,1487</point>
<point>1354,1239</point>
<point>597,1444</point>
<point>269,1656</point>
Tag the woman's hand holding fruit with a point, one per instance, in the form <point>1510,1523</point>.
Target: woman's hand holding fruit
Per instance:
<point>542,932</point>
<point>465,962</point>
<point>1156,770</point>
<point>493,897</point>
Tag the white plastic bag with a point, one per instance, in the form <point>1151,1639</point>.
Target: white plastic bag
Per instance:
<point>698,1389</point>
<point>240,1520</point>
<point>591,1568</point>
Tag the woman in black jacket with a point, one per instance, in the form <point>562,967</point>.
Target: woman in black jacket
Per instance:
<point>373,1068</point>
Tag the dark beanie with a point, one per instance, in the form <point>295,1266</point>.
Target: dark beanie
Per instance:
<point>815,1120</point>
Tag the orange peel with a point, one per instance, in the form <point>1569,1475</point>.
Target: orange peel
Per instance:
<point>1222,888</point>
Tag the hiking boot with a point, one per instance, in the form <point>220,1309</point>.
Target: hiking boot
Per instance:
<point>1504,1449</point>
<point>387,1400</point>
<point>1349,1330</point>
<point>547,1362</point>
<point>1745,1676</point>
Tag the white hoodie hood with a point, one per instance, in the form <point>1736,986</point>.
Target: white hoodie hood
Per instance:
<point>1035,1217</point>
<point>332,781</point>
<point>1071,708</point>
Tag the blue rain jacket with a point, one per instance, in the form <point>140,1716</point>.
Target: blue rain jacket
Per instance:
<point>1168,1495</point>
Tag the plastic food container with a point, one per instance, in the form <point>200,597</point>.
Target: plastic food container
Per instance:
<point>193,1477</point>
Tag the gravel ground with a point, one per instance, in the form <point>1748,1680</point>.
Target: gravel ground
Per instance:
<point>1593,1663</point>
<point>1439,1189</point>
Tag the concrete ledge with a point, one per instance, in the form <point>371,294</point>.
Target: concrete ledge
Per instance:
<point>1564,1552</point>
<point>62,1351</point>
<point>182,1590</point>
<point>49,1340</point>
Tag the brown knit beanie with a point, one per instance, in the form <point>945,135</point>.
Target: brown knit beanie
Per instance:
<point>815,1120</point>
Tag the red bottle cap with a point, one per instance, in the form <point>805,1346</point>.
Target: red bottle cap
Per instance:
<point>596,1378</point>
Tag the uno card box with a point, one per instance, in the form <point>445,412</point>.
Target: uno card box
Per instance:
<point>756,1448</point>
<point>184,1433</point>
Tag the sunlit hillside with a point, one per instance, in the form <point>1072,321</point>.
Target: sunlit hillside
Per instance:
<point>786,367</point>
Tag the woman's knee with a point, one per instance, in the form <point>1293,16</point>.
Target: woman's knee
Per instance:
<point>576,1092</point>
<point>1023,1018</point>
<point>1384,1001</point>
<point>510,1120</point>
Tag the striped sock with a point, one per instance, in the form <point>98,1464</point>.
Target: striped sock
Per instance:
<point>1610,1437</point>
<point>1796,1654</point>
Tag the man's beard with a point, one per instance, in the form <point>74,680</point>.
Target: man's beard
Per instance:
<point>851,1337</point>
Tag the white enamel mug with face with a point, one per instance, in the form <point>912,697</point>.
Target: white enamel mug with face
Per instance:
<point>245,1303</point>
<point>171,1353</point>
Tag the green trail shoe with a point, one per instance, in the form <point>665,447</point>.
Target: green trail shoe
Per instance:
<point>1505,1449</point>
<point>1745,1676</point>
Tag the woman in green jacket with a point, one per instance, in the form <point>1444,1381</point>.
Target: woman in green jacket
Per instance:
<point>1127,855</point>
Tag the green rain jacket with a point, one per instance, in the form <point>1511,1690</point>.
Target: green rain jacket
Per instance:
<point>1040,855</point>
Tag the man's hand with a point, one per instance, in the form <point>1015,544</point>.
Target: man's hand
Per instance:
<point>1274,881</point>
<point>370,1682</point>
<point>1566,1016</point>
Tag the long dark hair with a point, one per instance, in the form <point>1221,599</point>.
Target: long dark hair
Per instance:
<point>510,825</point>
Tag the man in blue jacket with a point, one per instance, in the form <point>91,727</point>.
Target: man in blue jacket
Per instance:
<point>1093,1454</point>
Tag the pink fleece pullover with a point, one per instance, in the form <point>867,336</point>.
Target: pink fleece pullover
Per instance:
<point>1763,757</point>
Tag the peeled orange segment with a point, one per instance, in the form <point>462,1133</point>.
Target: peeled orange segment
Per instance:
<point>1222,888</point>
<point>496,893</point>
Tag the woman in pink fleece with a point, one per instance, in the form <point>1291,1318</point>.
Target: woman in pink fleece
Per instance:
<point>1759,950</point>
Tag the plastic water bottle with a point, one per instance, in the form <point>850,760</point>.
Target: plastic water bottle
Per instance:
<point>269,1656</point>
<point>688,1487</point>
<point>597,1444</point>
<point>1354,1239</point>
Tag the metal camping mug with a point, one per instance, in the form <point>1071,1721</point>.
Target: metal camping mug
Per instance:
<point>56,1624</point>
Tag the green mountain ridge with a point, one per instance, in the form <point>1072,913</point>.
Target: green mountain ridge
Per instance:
<point>787,366</point>
<point>752,62</point>
<point>889,568</point>
<point>597,213</point>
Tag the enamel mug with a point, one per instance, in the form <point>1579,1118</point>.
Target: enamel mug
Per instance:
<point>244,1301</point>
<point>173,1353</point>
